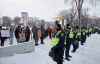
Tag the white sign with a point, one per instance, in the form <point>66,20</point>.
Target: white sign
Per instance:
<point>5,33</point>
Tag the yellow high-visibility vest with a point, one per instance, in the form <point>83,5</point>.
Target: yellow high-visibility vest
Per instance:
<point>71,35</point>
<point>78,34</point>
<point>83,33</point>
<point>90,30</point>
<point>54,41</point>
<point>86,31</point>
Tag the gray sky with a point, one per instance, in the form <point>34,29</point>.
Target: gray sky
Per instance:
<point>41,8</point>
<point>45,9</point>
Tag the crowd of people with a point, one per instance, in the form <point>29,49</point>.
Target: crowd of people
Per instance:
<point>64,38</point>
<point>22,34</point>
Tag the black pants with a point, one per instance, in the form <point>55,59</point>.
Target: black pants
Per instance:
<point>42,38</point>
<point>83,39</point>
<point>57,54</point>
<point>67,48</point>
<point>35,36</point>
<point>75,45</point>
<point>59,62</point>
<point>2,40</point>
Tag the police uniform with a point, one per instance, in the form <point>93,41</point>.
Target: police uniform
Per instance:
<point>75,43</point>
<point>69,40</point>
<point>83,37</point>
<point>67,45</point>
<point>57,51</point>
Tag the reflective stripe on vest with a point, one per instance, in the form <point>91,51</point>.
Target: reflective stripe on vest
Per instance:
<point>54,41</point>
<point>86,31</point>
<point>78,35</point>
<point>83,33</point>
<point>71,35</point>
<point>90,30</point>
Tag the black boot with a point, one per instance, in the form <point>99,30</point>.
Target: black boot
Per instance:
<point>60,62</point>
<point>36,44</point>
<point>69,56</point>
<point>42,42</point>
<point>74,50</point>
<point>82,44</point>
<point>67,59</point>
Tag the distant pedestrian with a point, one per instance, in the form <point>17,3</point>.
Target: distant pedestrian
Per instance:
<point>17,32</point>
<point>35,34</point>
<point>4,35</point>
<point>42,34</point>
<point>11,34</point>
<point>27,33</point>
<point>50,32</point>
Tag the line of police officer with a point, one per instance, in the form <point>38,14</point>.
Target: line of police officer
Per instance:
<point>67,37</point>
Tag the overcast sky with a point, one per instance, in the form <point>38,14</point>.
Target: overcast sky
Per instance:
<point>45,9</point>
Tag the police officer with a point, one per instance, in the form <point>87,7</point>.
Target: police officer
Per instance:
<point>76,38</point>
<point>68,42</point>
<point>35,35</point>
<point>83,36</point>
<point>58,49</point>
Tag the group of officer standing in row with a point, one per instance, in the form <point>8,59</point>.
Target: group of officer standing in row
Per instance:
<point>71,35</point>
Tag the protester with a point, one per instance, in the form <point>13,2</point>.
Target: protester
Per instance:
<point>22,33</point>
<point>5,34</point>
<point>27,33</point>
<point>35,34</point>
<point>17,31</point>
<point>11,34</point>
<point>50,32</point>
<point>42,34</point>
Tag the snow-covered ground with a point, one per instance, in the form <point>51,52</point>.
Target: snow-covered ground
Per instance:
<point>87,54</point>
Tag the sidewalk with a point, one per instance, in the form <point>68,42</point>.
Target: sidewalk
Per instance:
<point>87,54</point>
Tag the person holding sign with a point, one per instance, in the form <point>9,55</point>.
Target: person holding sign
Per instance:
<point>5,34</point>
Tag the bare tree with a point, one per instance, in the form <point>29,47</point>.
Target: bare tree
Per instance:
<point>78,4</point>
